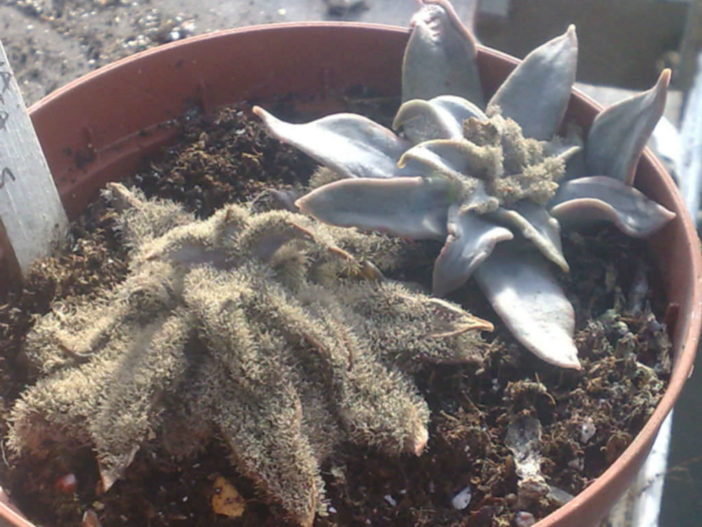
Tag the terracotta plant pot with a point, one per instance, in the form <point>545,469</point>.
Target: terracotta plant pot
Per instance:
<point>101,128</point>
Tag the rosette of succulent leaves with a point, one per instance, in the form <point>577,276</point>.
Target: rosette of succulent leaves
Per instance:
<point>493,180</point>
<point>269,331</point>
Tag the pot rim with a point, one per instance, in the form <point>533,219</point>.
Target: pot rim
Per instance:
<point>689,335</point>
<point>220,33</point>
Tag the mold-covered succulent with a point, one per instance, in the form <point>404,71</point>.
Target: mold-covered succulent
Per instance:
<point>268,331</point>
<point>494,181</point>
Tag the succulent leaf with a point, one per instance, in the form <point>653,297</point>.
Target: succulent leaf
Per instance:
<point>411,207</point>
<point>122,423</point>
<point>619,134</point>
<point>271,447</point>
<point>588,199</point>
<point>469,242</point>
<point>416,329</point>
<point>536,93</point>
<point>439,118</point>
<point>380,408</point>
<point>538,226</point>
<point>350,144</point>
<point>440,57</point>
<point>523,291</point>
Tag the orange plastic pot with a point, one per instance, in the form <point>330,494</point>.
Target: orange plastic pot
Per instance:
<point>104,125</point>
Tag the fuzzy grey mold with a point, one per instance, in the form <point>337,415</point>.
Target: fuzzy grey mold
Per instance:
<point>268,331</point>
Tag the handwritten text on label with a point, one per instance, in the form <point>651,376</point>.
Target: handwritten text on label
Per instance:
<point>6,173</point>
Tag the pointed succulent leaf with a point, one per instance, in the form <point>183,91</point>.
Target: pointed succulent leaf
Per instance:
<point>394,423</point>
<point>619,134</point>
<point>271,448</point>
<point>595,198</point>
<point>452,322</point>
<point>537,226</point>
<point>439,118</point>
<point>440,57</point>
<point>414,208</point>
<point>350,144</point>
<point>122,423</point>
<point>112,469</point>
<point>469,242</point>
<point>416,329</point>
<point>536,93</point>
<point>454,159</point>
<point>522,290</point>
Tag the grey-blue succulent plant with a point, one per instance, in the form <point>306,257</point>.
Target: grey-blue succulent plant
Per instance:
<point>493,180</point>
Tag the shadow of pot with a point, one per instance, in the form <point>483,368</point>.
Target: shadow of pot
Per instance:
<point>103,127</point>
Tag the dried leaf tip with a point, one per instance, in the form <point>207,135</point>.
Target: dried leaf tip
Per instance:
<point>421,439</point>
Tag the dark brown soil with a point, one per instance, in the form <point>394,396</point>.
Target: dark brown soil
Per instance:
<point>587,417</point>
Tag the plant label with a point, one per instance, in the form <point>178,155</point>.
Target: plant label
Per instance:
<point>30,208</point>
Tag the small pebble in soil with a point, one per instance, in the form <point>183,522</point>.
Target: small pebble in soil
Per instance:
<point>587,430</point>
<point>559,496</point>
<point>462,499</point>
<point>226,499</point>
<point>67,483</point>
<point>524,519</point>
<point>390,500</point>
<point>90,519</point>
<point>577,464</point>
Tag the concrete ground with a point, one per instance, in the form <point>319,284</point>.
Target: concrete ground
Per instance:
<point>51,42</point>
<point>626,43</point>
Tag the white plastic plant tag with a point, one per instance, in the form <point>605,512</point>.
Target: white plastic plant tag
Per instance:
<point>30,208</point>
